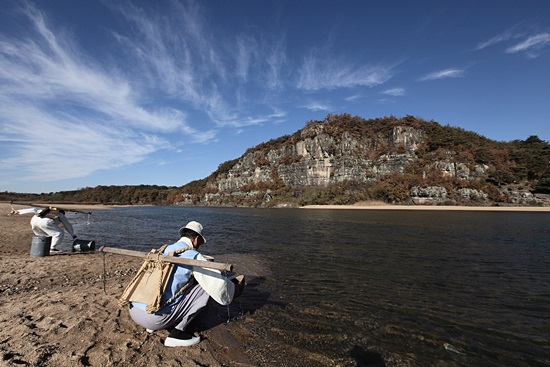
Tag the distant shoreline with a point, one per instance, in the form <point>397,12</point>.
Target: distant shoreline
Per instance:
<point>375,205</point>
<point>432,208</point>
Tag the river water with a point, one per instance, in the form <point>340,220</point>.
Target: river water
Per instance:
<point>374,287</point>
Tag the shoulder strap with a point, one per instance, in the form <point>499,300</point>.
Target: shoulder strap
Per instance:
<point>180,291</point>
<point>181,250</point>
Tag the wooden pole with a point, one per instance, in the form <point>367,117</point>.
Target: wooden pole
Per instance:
<point>50,207</point>
<point>171,259</point>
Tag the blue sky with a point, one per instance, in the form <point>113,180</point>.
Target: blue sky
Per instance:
<point>162,92</point>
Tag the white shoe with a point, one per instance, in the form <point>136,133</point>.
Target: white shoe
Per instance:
<point>179,338</point>
<point>150,331</point>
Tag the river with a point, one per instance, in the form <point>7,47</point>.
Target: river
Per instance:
<point>362,287</point>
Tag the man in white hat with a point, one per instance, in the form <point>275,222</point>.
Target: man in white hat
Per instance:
<point>199,285</point>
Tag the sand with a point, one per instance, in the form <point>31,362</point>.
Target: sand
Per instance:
<point>383,206</point>
<point>54,311</point>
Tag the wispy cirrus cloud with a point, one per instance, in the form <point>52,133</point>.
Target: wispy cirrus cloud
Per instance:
<point>276,61</point>
<point>523,42</point>
<point>317,106</point>
<point>55,97</point>
<point>395,92</point>
<point>168,68</point>
<point>177,57</point>
<point>531,45</point>
<point>324,72</point>
<point>211,72</point>
<point>274,117</point>
<point>54,146</point>
<point>246,47</point>
<point>444,74</point>
<point>353,97</point>
<point>503,37</point>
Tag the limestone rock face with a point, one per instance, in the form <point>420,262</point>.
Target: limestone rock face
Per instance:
<point>322,154</point>
<point>434,195</point>
<point>428,195</point>
<point>320,159</point>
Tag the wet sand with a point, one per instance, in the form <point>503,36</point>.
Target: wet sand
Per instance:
<point>55,312</point>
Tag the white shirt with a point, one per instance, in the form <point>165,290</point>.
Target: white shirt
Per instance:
<point>216,284</point>
<point>59,218</point>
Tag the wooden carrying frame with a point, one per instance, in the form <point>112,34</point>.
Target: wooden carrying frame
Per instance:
<point>151,280</point>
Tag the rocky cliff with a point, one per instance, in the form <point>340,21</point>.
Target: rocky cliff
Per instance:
<point>344,159</point>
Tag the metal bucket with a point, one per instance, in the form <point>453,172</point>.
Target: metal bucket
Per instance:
<point>40,246</point>
<point>83,245</point>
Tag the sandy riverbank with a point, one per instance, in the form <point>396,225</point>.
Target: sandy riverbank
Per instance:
<point>54,311</point>
<point>384,206</point>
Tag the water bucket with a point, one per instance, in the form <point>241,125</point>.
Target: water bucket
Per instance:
<point>83,245</point>
<point>40,246</point>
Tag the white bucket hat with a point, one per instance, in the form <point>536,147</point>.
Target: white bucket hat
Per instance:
<point>195,227</point>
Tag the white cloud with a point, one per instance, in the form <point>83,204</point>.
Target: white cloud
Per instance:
<point>317,106</point>
<point>210,72</point>
<point>51,148</point>
<point>65,116</point>
<point>353,98</point>
<point>276,60</point>
<point>104,116</point>
<point>176,55</point>
<point>444,74</point>
<point>318,72</point>
<point>244,55</point>
<point>239,122</point>
<point>396,92</point>
<point>497,39</point>
<point>531,44</point>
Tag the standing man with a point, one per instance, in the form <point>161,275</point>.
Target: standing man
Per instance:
<point>45,223</point>
<point>188,291</point>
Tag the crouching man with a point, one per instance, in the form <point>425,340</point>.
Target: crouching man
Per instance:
<point>187,292</point>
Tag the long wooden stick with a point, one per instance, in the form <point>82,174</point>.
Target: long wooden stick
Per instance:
<point>46,206</point>
<point>171,259</point>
